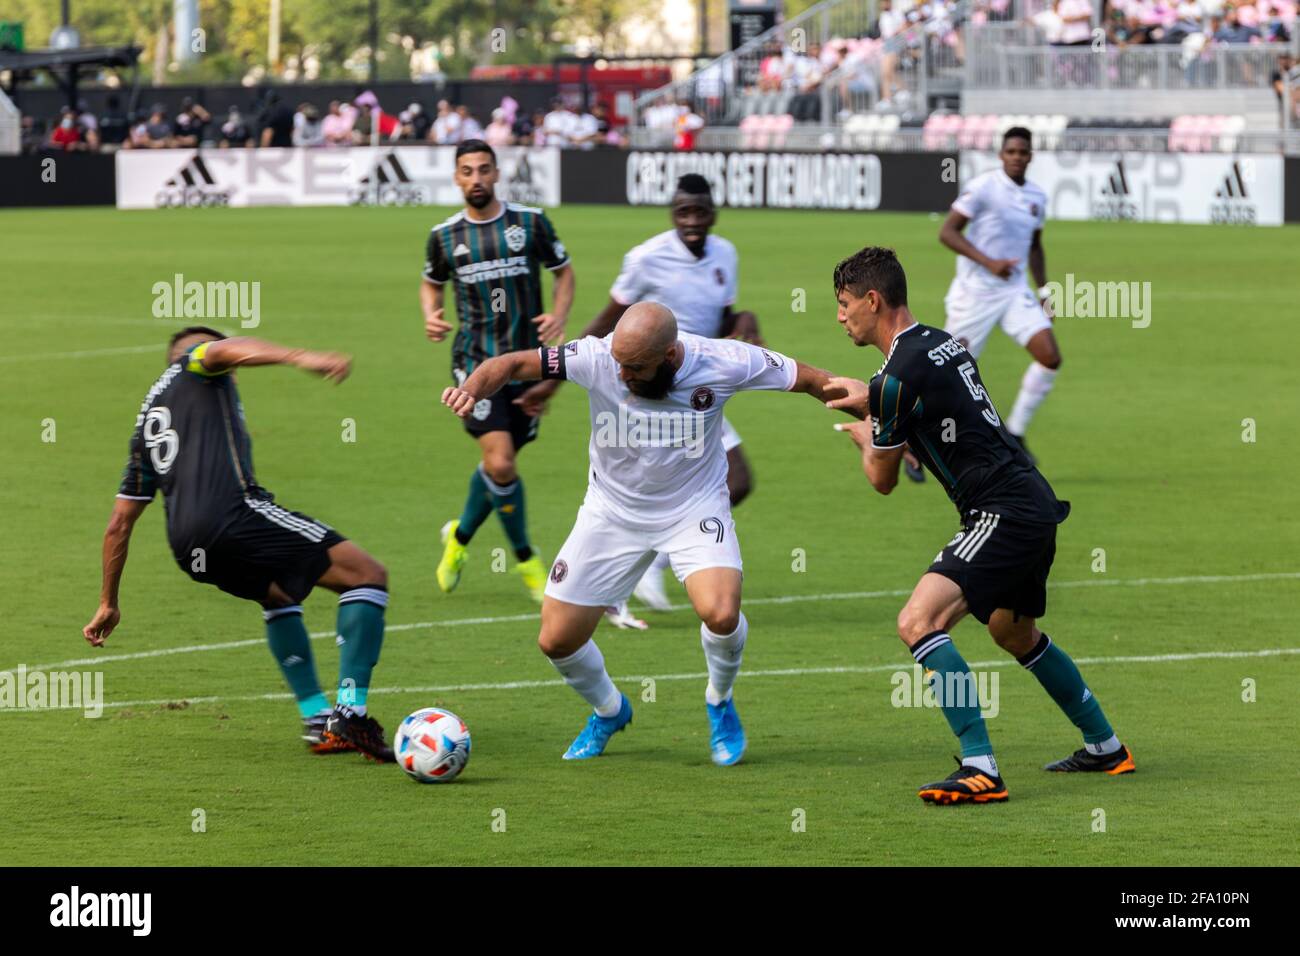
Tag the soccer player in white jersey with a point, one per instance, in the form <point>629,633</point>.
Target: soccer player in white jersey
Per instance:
<point>1005,212</point>
<point>658,483</point>
<point>694,274</point>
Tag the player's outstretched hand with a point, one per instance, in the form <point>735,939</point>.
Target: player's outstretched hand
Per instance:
<point>548,326</point>
<point>458,400</point>
<point>434,326</point>
<point>1002,267</point>
<point>860,432</point>
<point>533,400</point>
<point>851,393</point>
<point>101,625</point>
<point>332,366</point>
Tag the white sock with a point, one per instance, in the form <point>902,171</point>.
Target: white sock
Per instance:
<point>1103,748</point>
<point>984,762</point>
<point>722,654</point>
<point>1035,385</point>
<point>585,672</point>
<point>661,563</point>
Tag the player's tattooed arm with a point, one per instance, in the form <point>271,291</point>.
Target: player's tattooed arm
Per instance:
<point>550,325</point>
<point>951,236</point>
<point>117,538</point>
<point>225,354</point>
<point>491,376</point>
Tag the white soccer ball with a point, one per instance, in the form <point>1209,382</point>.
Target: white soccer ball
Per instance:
<point>432,745</point>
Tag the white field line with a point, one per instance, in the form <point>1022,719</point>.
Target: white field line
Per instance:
<point>787,599</point>
<point>904,666</point>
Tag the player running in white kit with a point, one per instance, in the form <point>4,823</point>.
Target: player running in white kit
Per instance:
<point>1005,213</point>
<point>696,275</point>
<point>658,483</point>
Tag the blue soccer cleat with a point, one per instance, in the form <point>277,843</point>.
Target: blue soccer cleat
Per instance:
<point>727,740</point>
<point>591,742</point>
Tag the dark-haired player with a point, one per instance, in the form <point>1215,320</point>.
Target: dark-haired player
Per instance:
<point>493,252</point>
<point>928,394</point>
<point>695,273</point>
<point>190,443</point>
<point>1005,214</point>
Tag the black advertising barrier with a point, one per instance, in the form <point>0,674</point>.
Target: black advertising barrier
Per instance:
<point>57,179</point>
<point>1291,190</point>
<point>898,182</point>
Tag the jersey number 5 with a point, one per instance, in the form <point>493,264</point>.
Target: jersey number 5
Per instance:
<point>160,438</point>
<point>967,370</point>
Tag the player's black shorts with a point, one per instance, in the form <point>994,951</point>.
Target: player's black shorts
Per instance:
<point>999,563</point>
<point>500,414</point>
<point>264,544</point>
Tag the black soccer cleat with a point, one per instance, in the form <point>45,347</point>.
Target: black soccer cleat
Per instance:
<point>1020,440</point>
<point>313,733</point>
<point>1081,761</point>
<point>914,472</point>
<point>965,785</point>
<point>359,732</point>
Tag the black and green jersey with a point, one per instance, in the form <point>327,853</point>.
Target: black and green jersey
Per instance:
<point>190,443</point>
<point>929,395</point>
<point>496,266</point>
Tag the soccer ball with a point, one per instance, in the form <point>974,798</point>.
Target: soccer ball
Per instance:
<point>432,745</point>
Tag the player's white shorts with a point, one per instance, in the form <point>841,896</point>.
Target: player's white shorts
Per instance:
<point>603,558</point>
<point>730,437</point>
<point>973,311</point>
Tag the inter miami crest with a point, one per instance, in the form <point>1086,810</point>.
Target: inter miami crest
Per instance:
<point>560,571</point>
<point>516,237</point>
<point>702,398</point>
<point>1033,209</point>
<point>717,274</point>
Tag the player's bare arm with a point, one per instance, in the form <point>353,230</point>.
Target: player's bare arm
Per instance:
<point>1038,269</point>
<point>225,354</point>
<point>550,325</point>
<point>533,400</point>
<point>604,323</point>
<point>740,325</point>
<point>950,234</point>
<point>117,539</point>
<point>879,464</point>
<point>831,390</point>
<point>490,377</point>
<point>436,326</point>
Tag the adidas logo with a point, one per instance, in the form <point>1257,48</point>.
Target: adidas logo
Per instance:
<point>1234,184</point>
<point>1087,694</point>
<point>193,173</point>
<point>388,184</point>
<point>387,170</point>
<point>460,250</point>
<point>291,660</point>
<point>1117,183</point>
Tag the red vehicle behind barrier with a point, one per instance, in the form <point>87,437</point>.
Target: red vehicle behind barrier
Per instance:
<point>616,87</point>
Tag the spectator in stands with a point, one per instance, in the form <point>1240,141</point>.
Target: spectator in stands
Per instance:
<point>1287,75</point>
<point>275,121</point>
<point>446,125</point>
<point>153,133</point>
<point>114,127</point>
<point>190,122</point>
<point>1076,22</point>
<point>498,132</point>
<point>888,25</point>
<point>527,127</point>
<point>806,104</point>
<point>235,130</point>
<point>560,124</point>
<point>370,112</point>
<point>468,127</point>
<point>686,126</point>
<point>586,130</point>
<point>605,132</point>
<point>29,137</point>
<point>336,127</point>
<point>307,126</point>
<point>415,123</point>
<point>1233,30</point>
<point>66,135</point>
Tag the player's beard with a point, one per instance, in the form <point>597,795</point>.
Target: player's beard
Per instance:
<point>659,385</point>
<point>479,199</point>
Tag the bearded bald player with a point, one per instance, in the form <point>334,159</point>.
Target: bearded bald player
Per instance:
<point>658,485</point>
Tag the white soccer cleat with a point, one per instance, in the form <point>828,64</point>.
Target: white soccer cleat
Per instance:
<point>622,618</point>
<point>650,590</point>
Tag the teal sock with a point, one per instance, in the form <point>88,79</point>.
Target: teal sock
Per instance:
<point>1062,680</point>
<point>291,647</point>
<point>478,505</point>
<point>936,653</point>
<point>360,636</point>
<point>509,503</point>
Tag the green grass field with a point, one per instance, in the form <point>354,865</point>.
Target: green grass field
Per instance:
<point>1144,434</point>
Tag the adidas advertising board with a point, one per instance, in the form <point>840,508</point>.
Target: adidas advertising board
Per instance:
<point>386,176</point>
<point>1153,187</point>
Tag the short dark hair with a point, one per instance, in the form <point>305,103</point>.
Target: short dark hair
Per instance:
<point>192,330</point>
<point>475,146</point>
<point>1019,132</point>
<point>694,184</point>
<point>873,268</point>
